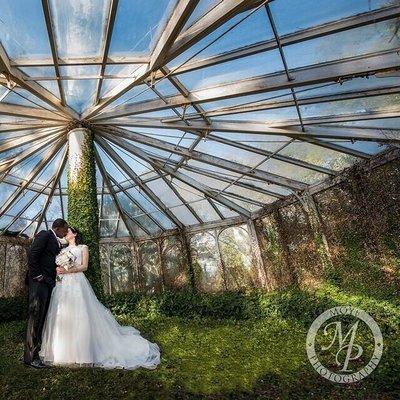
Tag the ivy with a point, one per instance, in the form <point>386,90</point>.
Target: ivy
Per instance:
<point>83,209</point>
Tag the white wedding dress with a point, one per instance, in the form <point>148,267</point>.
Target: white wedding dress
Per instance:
<point>80,331</point>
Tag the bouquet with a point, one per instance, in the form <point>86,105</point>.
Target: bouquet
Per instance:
<point>66,260</point>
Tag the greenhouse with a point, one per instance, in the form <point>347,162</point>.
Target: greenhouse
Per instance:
<point>234,170</point>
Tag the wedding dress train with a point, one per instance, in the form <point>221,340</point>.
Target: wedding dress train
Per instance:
<point>79,330</point>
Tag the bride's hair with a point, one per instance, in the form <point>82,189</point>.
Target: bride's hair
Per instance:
<point>78,237</point>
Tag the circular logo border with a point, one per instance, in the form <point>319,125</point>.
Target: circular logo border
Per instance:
<point>325,372</point>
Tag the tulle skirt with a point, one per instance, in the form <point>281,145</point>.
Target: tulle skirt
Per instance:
<point>80,331</point>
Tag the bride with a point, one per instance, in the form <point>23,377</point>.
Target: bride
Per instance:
<point>79,330</point>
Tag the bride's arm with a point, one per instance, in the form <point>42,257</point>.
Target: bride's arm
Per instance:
<point>85,261</point>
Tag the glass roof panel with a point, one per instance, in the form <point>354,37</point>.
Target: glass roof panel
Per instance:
<point>292,171</point>
<point>292,15</point>
<point>79,26</point>
<point>318,155</point>
<point>114,70</point>
<point>270,116</point>
<point>347,86</point>
<point>227,54</point>
<point>54,211</point>
<point>254,99</point>
<point>135,95</point>
<point>22,29</point>
<point>354,42</point>
<point>202,8</point>
<point>225,211</point>
<point>22,97</point>
<point>229,153</point>
<point>265,142</point>
<point>123,231</point>
<point>366,104</point>
<point>241,68</point>
<point>6,191</point>
<point>137,24</point>
<point>240,31</point>
<point>184,215</point>
<point>204,209</point>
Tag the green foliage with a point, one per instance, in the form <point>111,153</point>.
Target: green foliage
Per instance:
<point>83,210</point>
<point>294,303</point>
<point>13,308</point>
<point>204,357</point>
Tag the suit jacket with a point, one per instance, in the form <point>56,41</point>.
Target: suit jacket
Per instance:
<point>42,256</point>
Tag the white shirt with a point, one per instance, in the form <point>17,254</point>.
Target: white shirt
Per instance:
<point>58,240</point>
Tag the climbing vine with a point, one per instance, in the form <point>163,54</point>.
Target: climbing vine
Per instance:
<point>83,208</point>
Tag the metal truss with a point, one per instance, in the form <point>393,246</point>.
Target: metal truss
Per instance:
<point>39,124</point>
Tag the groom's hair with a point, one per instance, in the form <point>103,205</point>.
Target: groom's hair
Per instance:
<point>59,223</point>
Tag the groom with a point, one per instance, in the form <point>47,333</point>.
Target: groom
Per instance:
<point>41,278</point>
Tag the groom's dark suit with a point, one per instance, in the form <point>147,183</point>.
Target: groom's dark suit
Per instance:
<point>41,278</point>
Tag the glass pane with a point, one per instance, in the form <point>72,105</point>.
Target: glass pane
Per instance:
<point>354,42</point>
<point>241,68</point>
<point>251,27</point>
<point>137,24</point>
<point>151,268</point>
<point>318,155</point>
<point>79,26</point>
<point>208,270</point>
<point>108,227</point>
<point>292,15</point>
<point>23,30</point>
<point>122,279</point>
<point>292,171</point>
<point>174,264</point>
<point>237,256</point>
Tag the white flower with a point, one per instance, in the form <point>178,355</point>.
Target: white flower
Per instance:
<point>65,259</point>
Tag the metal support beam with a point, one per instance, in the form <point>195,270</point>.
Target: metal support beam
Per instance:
<point>53,46</point>
<point>180,15</point>
<point>39,91</point>
<point>7,163</point>
<point>106,44</point>
<point>207,191</point>
<point>276,104</point>
<point>333,71</point>
<point>207,159</point>
<point>49,155</point>
<point>30,112</point>
<point>56,180</point>
<point>284,128</point>
<point>21,126</point>
<point>23,140</point>
<point>132,175</point>
<point>355,21</point>
<point>121,211</point>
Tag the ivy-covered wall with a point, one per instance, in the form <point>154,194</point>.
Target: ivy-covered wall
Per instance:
<point>352,240</point>
<point>347,235</point>
<point>82,199</point>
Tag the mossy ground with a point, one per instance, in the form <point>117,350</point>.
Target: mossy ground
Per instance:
<point>211,358</point>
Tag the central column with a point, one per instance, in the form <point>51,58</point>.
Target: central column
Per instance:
<point>83,211</point>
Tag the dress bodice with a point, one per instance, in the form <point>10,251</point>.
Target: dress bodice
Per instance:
<point>77,252</point>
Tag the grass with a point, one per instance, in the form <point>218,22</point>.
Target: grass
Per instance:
<point>201,358</point>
